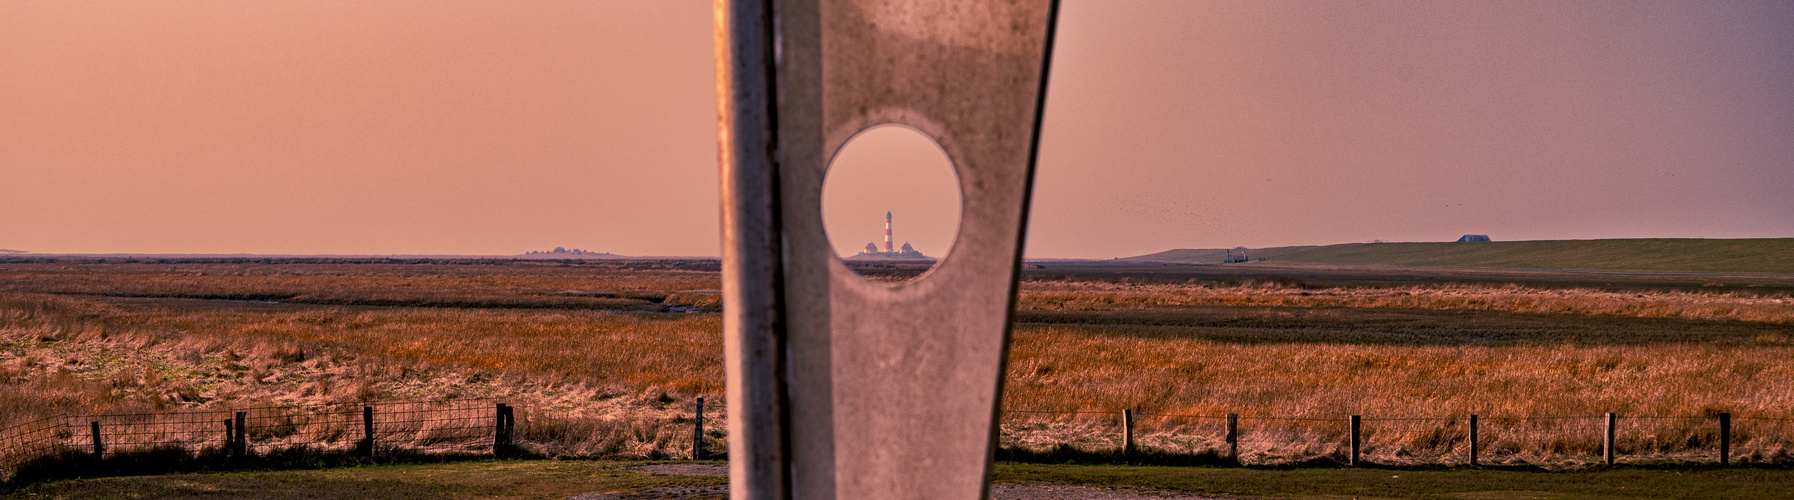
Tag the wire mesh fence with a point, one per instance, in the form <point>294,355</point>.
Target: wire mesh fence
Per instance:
<point>1538,439</point>
<point>487,426</point>
<point>350,431</point>
<point>1763,439</point>
<point>1409,441</point>
<point>30,440</point>
<point>461,426</point>
<point>1547,440</point>
<point>1265,439</point>
<point>1192,434</point>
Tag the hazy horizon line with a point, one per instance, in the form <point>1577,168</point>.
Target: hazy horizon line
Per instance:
<point>589,255</point>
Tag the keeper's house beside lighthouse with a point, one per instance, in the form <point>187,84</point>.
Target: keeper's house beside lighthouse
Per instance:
<point>872,252</point>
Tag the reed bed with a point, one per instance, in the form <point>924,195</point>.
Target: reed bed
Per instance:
<point>1678,304</point>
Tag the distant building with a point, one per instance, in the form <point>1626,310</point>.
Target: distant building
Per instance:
<point>561,251</point>
<point>1474,238</point>
<point>1239,258</point>
<point>871,251</point>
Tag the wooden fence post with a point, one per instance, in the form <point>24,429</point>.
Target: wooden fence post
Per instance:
<point>1233,436</point>
<point>510,428</point>
<point>1473,441</point>
<point>1127,433</point>
<point>697,432</point>
<point>1356,425</point>
<point>99,450</point>
<point>230,438</point>
<point>498,431</point>
<point>1607,450</point>
<point>243,433</point>
<point>367,431</point>
<point>1725,438</point>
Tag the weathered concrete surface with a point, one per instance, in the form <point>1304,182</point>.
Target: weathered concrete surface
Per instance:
<point>891,388</point>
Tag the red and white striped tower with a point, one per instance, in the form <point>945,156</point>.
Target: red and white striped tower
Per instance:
<point>888,232</point>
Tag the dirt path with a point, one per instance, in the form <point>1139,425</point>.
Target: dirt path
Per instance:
<point>999,491</point>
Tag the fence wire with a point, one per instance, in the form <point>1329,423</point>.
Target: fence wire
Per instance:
<point>1547,440</point>
<point>1763,439</point>
<point>473,426</point>
<point>422,426</point>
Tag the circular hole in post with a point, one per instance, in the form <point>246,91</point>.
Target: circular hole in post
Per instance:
<point>890,203</point>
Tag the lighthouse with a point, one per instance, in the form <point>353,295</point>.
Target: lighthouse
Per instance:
<point>890,250</point>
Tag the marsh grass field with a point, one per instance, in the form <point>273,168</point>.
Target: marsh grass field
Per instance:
<point>605,358</point>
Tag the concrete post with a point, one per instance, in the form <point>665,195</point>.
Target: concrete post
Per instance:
<point>840,387</point>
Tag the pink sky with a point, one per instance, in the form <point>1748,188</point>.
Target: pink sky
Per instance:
<point>443,127</point>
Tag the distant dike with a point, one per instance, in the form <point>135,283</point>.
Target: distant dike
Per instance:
<point>15,255</point>
<point>1649,255</point>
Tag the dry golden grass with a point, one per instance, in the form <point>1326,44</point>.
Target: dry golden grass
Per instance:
<point>1311,357</point>
<point>1097,369</point>
<point>586,383</point>
<point>596,374</point>
<point>1728,306</point>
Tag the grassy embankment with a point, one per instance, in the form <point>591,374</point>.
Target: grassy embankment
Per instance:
<point>101,338</point>
<point>1764,255</point>
<point>1612,484</point>
<point>556,480</point>
<point>542,479</point>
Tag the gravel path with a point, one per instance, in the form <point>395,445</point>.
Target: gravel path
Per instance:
<point>998,491</point>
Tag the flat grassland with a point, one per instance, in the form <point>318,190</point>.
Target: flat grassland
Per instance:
<point>605,357</point>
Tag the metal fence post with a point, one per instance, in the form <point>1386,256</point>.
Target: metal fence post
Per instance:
<point>1233,436</point>
<point>1607,450</point>
<point>1473,440</point>
<point>243,433</point>
<point>1356,425</point>
<point>1725,438</point>
<point>367,431</point>
<point>697,433</point>
<point>99,450</point>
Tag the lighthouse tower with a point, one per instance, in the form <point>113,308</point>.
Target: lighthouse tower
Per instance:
<point>888,248</point>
